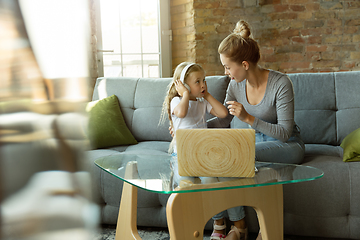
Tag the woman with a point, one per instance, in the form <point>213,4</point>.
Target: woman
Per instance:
<point>262,98</point>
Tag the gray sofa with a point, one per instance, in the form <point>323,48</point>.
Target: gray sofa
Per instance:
<point>327,109</point>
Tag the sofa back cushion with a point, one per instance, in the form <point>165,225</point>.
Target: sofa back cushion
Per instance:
<point>141,102</point>
<point>326,105</point>
<point>315,106</point>
<point>347,86</point>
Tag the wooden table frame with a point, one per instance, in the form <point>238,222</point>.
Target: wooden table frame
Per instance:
<point>187,213</point>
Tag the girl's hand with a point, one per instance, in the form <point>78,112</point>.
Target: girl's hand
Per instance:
<point>180,88</point>
<point>238,110</point>
<point>206,93</point>
<point>171,131</point>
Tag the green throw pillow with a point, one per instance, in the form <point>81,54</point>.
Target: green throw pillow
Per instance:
<point>107,127</point>
<point>351,146</point>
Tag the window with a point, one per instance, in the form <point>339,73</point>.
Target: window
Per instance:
<point>134,38</point>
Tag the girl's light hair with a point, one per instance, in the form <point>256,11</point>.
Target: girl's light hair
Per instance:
<point>171,91</point>
<point>239,46</point>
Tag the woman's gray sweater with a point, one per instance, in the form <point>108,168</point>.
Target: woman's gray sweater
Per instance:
<point>274,115</point>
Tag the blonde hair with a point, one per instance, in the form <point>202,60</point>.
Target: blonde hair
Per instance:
<point>239,46</point>
<point>171,91</point>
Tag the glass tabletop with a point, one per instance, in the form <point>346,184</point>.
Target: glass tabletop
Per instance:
<point>153,173</point>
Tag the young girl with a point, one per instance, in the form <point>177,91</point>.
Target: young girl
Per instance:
<point>188,100</point>
<point>186,104</point>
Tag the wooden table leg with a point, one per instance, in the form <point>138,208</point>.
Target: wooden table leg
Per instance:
<point>187,213</point>
<point>127,219</point>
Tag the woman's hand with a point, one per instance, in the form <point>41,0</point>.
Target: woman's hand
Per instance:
<point>238,110</point>
<point>180,88</point>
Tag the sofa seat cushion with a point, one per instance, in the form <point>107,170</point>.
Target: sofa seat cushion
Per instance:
<point>324,197</point>
<point>325,203</point>
<point>108,188</point>
<point>145,147</point>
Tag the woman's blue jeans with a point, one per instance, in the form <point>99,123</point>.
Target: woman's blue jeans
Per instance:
<point>268,149</point>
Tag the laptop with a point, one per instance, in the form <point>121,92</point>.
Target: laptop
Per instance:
<point>216,152</point>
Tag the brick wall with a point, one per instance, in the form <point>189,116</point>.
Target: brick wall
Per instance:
<point>294,35</point>
<point>183,28</point>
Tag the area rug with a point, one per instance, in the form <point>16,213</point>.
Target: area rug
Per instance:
<point>107,232</point>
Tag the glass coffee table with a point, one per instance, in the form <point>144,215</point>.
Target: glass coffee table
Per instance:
<point>193,201</point>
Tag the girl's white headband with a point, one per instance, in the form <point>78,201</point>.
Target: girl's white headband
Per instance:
<point>183,72</point>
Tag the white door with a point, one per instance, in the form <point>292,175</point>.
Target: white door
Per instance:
<point>134,38</point>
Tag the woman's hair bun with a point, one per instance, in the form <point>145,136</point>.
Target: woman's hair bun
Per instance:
<point>242,28</point>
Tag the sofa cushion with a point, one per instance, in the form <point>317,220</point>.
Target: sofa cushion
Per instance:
<point>217,86</point>
<point>347,87</point>
<point>315,107</point>
<point>149,95</point>
<point>145,147</point>
<point>106,124</point>
<point>351,146</point>
<point>124,89</point>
